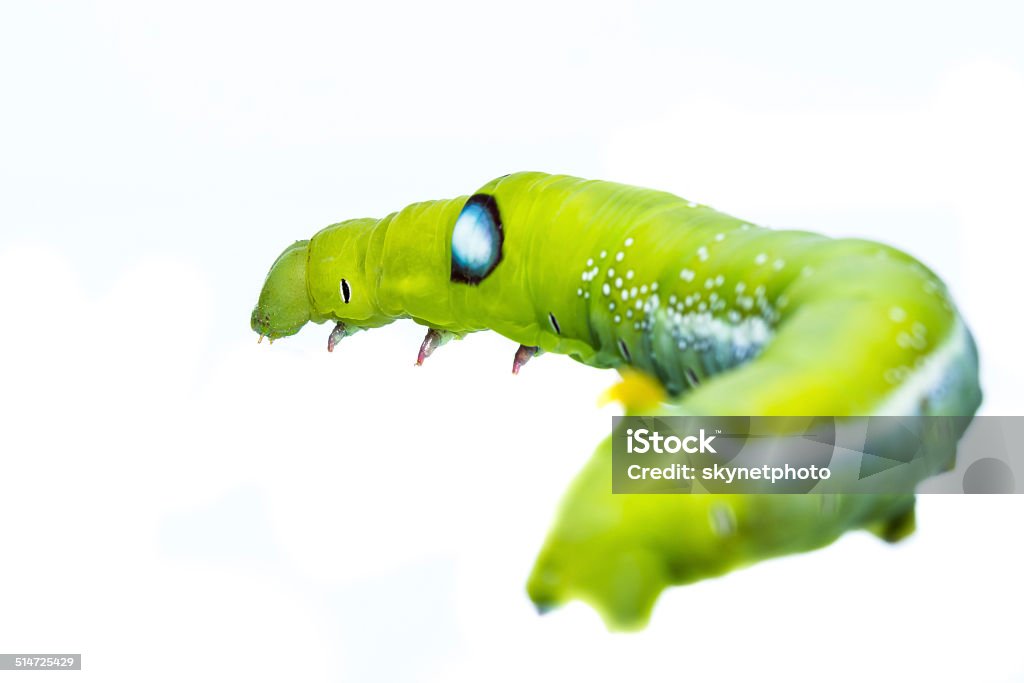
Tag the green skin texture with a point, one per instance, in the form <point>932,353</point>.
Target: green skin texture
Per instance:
<point>849,321</point>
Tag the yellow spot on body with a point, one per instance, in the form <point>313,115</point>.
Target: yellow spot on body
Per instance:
<point>637,392</point>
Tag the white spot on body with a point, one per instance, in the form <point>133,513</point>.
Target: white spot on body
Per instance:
<point>473,238</point>
<point>896,375</point>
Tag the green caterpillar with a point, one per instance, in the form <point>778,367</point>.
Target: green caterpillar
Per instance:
<point>723,317</point>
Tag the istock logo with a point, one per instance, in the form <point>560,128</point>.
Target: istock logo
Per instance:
<point>646,441</point>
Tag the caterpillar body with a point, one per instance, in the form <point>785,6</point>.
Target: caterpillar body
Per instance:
<point>724,317</point>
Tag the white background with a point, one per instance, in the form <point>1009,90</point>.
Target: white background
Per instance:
<point>178,503</point>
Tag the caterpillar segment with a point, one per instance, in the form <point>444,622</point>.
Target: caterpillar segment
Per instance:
<point>703,313</point>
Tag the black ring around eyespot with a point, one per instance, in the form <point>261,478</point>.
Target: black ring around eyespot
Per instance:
<point>477,240</point>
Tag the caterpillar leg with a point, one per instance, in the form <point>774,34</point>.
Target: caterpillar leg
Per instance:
<point>336,335</point>
<point>522,357</point>
<point>897,527</point>
<point>433,340</point>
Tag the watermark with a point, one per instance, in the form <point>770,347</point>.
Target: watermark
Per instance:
<point>892,455</point>
<point>49,662</point>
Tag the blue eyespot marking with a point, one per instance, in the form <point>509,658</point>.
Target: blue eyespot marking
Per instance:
<point>476,240</point>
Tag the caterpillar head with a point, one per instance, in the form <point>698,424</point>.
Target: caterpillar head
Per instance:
<point>283,307</point>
